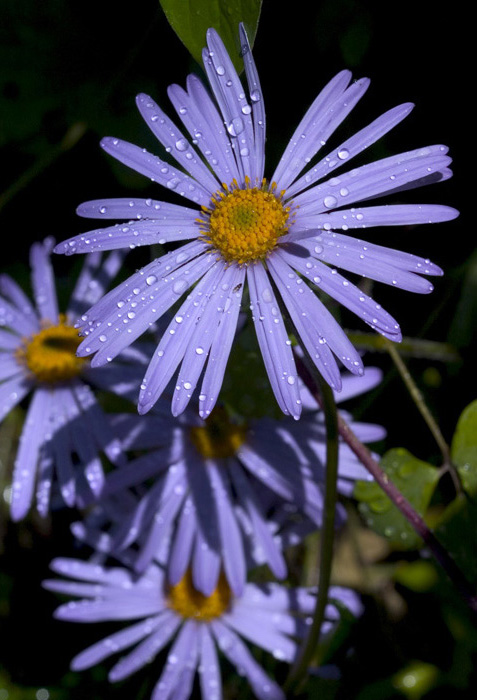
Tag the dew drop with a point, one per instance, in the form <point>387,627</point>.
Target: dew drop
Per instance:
<point>182,145</point>
<point>343,154</point>
<point>330,201</point>
<point>152,279</point>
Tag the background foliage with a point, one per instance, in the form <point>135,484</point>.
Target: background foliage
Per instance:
<point>68,75</point>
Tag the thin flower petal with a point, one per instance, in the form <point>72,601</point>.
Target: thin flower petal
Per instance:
<point>43,280</point>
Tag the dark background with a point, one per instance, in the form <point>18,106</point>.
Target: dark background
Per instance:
<point>69,73</point>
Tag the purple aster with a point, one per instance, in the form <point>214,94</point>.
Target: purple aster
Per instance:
<point>210,489</point>
<point>65,428</point>
<point>281,237</point>
<point>193,626</point>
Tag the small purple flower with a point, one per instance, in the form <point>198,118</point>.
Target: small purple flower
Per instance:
<point>65,428</point>
<point>194,626</point>
<point>284,235</point>
<point>213,494</point>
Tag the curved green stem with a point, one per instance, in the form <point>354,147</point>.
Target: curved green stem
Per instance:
<point>299,670</point>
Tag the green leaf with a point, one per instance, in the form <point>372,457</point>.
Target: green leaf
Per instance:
<point>415,479</point>
<point>464,448</point>
<point>190,19</point>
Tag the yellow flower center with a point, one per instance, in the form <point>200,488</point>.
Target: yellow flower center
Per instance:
<point>187,602</point>
<point>244,225</point>
<point>50,354</point>
<point>219,437</point>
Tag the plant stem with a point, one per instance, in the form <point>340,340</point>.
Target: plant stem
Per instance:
<point>393,493</point>
<point>299,671</point>
<point>421,405</point>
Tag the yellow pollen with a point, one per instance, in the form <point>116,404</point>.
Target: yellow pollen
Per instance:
<point>185,600</point>
<point>50,354</point>
<point>244,225</point>
<point>219,437</point>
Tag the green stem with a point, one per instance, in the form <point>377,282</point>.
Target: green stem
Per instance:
<point>299,671</point>
<point>421,405</point>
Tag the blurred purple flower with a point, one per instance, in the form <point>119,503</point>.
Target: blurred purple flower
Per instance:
<point>275,235</point>
<point>65,429</point>
<point>194,626</point>
<point>212,489</point>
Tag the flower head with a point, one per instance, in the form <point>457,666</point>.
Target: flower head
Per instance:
<point>194,626</point>
<point>282,237</point>
<point>211,496</point>
<point>65,430</point>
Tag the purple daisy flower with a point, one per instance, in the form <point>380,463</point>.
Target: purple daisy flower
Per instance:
<point>194,626</point>
<point>282,238</point>
<point>210,489</point>
<point>65,428</point>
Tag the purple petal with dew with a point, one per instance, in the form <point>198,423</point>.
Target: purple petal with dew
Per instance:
<point>145,652</point>
<point>140,283</point>
<point>131,234</point>
<point>352,146</point>
<point>261,630</point>
<point>184,687</point>
<point>235,650</point>
<point>356,257</point>
<point>256,99</point>
<point>261,529</point>
<point>43,280</point>
<point>175,143</point>
<point>119,378</point>
<point>222,341</point>
<point>231,539</point>
<point>346,293</point>
<point>273,340</point>
<point>221,288</point>
<point>319,110</point>
<point>62,450</point>
<point>12,291</point>
<point>145,467</point>
<point>232,101</point>
<point>393,258</point>
<point>206,555</point>
<point>184,650</point>
<point>183,540</point>
<point>316,327</point>
<point>366,217</point>
<point>98,426</point>
<point>73,588</point>
<point>115,643</point>
<point>266,471</point>
<point>89,571</point>
<point>200,116</point>
<point>9,367</point>
<point>175,341</point>
<point>118,605</point>
<point>26,462</point>
<point>276,598</point>
<point>129,208</point>
<point>209,668</point>
<point>320,130</point>
<point>130,316</point>
<point>93,281</point>
<point>45,473</point>
<point>9,342</point>
<point>12,317</point>
<point>372,180</point>
<point>136,525</point>
<point>206,563</point>
<point>170,504</point>
<point>83,443</point>
<point>156,169</point>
